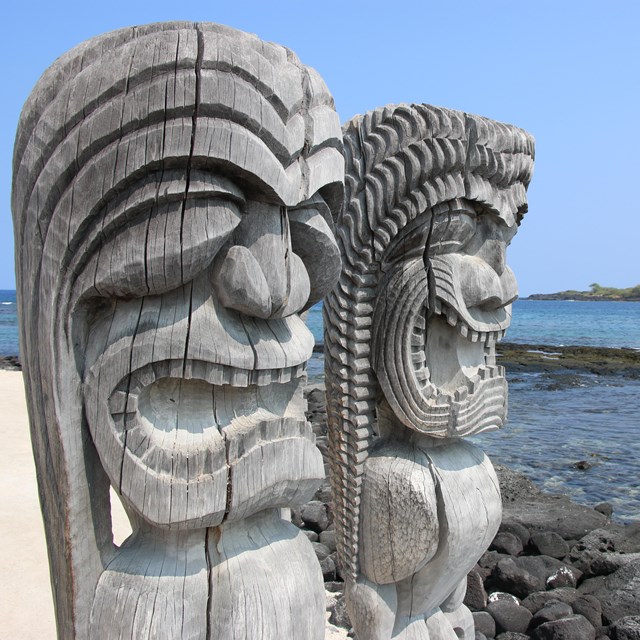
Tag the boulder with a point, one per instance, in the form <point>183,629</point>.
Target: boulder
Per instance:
<point>338,614</point>
<point>563,577</point>
<point>540,599</point>
<point>517,529</point>
<point>475,597</point>
<point>328,539</point>
<point>545,568</point>
<point>605,508</point>
<point>571,628</point>
<point>484,623</point>
<point>549,543</point>
<point>500,596</point>
<point>589,607</point>
<point>321,550</point>
<point>509,616</point>
<point>508,543</point>
<point>552,611</point>
<point>508,576</point>
<point>315,517</point>
<point>328,568</point>
<point>627,628</point>
<point>618,593</point>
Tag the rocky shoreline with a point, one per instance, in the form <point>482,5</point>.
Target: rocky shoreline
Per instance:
<point>556,570</point>
<point>517,358</point>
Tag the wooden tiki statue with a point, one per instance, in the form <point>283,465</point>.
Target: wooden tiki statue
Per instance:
<point>433,198</point>
<point>173,193</point>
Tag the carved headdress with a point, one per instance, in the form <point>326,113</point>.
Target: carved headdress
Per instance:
<point>414,174</point>
<point>117,148</point>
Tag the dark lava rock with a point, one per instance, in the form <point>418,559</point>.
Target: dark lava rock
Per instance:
<point>618,593</point>
<point>338,614</point>
<point>514,487</point>
<point>550,544</point>
<point>314,515</point>
<point>508,543</point>
<point>582,465</point>
<point>321,550</point>
<point>627,628</point>
<point>564,577</point>
<point>605,509</point>
<point>501,596</point>
<point>524,503</point>
<point>508,576</point>
<point>334,587</point>
<point>540,599</point>
<point>546,568</point>
<point>312,535</point>
<point>484,623</point>
<point>479,635</point>
<point>544,512</point>
<point>511,635</point>
<point>10,363</point>
<point>572,628</point>
<point>553,611</point>
<point>615,537</point>
<point>328,539</point>
<point>323,494</point>
<point>518,529</point>
<point>476,597</point>
<point>328,567</point>
<point>590,608</point>
<point>510,616</point>
<point>490,559</point>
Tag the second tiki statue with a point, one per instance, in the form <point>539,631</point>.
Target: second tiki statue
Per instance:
<point>433,198</point>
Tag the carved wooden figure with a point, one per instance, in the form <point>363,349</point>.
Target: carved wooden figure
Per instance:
<point>433,198</point>
<point>173,194</point>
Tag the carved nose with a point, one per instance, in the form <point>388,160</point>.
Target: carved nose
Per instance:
<point>493,253</point>
<point>260,275</point>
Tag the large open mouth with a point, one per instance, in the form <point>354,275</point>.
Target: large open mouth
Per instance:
<point>455,365</point>
<point>174,408</point>
<point>192,435</point>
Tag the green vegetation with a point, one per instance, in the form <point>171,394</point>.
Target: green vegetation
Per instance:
<point>597,292</point>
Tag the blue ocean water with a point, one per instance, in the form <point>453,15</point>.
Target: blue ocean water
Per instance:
<point>555,420</point>
<point>8,323</point>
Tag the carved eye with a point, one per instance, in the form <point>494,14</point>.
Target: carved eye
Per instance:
<point>452,230</point>
<point>167,240</point>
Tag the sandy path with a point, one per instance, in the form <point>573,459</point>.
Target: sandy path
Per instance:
<point>26,607</point>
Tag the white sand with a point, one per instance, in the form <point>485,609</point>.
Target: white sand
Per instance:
<point>26,605</point>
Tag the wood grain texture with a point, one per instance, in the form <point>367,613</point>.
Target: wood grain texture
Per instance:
<point>156,173</point>
<point>433,197</point>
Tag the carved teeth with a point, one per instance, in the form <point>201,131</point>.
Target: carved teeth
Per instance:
<point>452,317</point>
<point>474,336</point>
<point>461,394</point>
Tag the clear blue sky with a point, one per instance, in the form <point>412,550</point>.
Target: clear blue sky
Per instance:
<point>568,72</point>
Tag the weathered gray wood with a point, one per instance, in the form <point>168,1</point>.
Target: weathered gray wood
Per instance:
<point>170,182</point>
<point>433,197</point>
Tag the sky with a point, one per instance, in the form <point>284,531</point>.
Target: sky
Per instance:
<point>568,72</point>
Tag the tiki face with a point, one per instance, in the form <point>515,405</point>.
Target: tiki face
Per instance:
<point>225,277</point>
<point>228,357</point>
<point>469,312</point>
<point>447,272</point>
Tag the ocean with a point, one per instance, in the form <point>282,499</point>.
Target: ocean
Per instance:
<point>555,419</point>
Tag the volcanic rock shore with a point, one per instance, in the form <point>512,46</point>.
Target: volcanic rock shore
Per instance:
<point>556,570</point>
